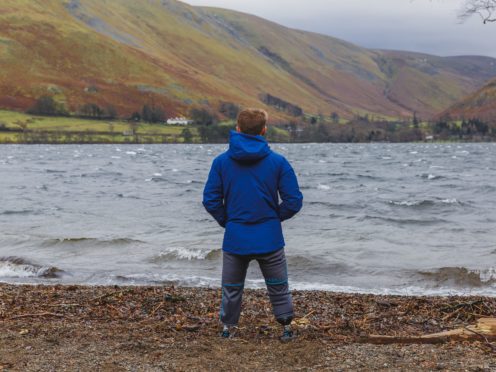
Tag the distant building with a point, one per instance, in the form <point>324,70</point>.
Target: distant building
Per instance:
<point>179,121</point>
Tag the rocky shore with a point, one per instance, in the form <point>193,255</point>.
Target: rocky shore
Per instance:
<point>57,327</point>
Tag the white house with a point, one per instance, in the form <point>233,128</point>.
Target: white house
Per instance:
<point>179,121</point>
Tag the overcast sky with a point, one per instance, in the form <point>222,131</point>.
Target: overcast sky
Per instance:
<point>429,26</point>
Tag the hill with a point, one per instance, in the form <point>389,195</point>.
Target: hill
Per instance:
<point>126,53</point>
<point>481,104</point>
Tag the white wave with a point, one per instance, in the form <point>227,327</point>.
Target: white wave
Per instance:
<point>414,203</point>
<point>175,170</point>
<point>450,201</point>
<point>405,203</point>
<point>401,291</point>
<point>183,253</point>
<point>192,281</point>
<point>157,174</point>
<point>430,176</point>
<point>130,152</point>
<point>488,275</point>
<point>9,269</point>
<point>215,282</point>
<point>323,187</point>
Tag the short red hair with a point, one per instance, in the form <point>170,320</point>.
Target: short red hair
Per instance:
<point>252,121</point>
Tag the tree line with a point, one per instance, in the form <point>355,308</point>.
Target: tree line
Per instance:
<point>149,113</point>
<point>305,128</point>
<point>48,106</point>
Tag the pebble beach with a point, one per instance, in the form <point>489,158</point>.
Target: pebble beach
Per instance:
<point>72,327</point>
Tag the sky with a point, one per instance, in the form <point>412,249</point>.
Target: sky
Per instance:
<point>429,26</point>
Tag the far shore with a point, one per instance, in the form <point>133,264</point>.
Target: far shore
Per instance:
<point>22,128</point>
<point>47,327</point>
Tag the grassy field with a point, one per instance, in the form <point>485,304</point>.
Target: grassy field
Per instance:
<point>16,127</point>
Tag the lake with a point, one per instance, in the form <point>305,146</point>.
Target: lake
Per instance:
<point>377,218</point>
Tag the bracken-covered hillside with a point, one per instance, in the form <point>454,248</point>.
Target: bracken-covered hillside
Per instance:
<point>126,53</point>
<point>481,105</point>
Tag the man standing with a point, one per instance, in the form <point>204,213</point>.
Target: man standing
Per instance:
<point>242,194</point>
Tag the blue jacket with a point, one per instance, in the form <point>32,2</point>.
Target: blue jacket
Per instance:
<point>242,194</point>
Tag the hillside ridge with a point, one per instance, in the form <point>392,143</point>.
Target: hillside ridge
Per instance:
<point>127,54</point>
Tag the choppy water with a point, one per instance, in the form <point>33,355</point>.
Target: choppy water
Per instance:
<point>380,218</point>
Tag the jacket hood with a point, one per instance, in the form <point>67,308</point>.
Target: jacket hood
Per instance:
<point>246,148</point>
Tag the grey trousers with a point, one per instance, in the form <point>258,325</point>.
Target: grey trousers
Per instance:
<point>275,272</point>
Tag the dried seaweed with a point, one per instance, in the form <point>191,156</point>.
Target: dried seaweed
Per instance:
<point>333,316</point>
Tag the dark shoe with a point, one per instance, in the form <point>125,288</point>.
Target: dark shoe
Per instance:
<point>287,335</point>
<point>228,331</point>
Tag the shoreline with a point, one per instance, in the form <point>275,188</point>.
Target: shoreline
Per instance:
<point>419,292</point>
<point>176,328</point>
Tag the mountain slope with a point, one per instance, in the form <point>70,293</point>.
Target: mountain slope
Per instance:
<point>481,105</point>
<point>126,53</point>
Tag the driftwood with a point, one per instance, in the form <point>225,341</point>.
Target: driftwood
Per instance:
<point>37,314</point>
<point>484,330</point>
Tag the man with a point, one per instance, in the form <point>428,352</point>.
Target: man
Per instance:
<point>242,194</point>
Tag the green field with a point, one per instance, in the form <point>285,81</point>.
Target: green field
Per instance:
<point>18,127</point>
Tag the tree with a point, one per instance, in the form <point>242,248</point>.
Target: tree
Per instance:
<point>282,105</point>
<point>486,9</point>
<point>136,116</point>
<point>92,110</point>
<point>24,127</point>
<point>133,128</point>
<point>202,117</point>
<point>46,105</point>
<point>229,109</point>
<point>187,135</point>
<point>146,113</point>
<point>152,114</point>
<point>111,112</point>
<point>214,133</point>
<point>415,120</point>
<point>335,117</point>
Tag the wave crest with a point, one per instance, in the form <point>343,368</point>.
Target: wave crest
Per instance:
<point>90,241</point>
<point>180,253</point>
<point>16,267</point>
<point>461,276</point>
<point>425,203</point>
